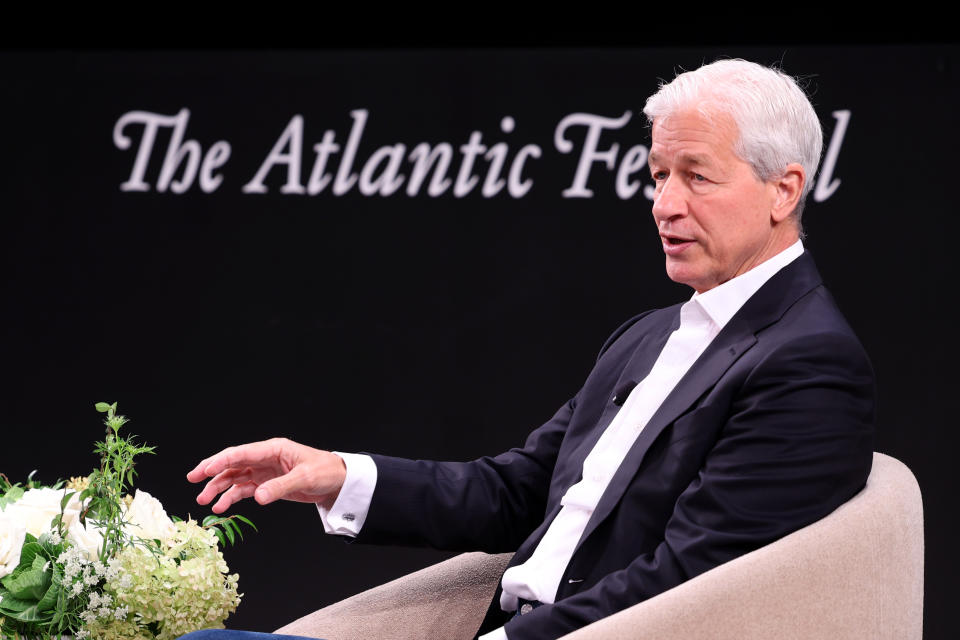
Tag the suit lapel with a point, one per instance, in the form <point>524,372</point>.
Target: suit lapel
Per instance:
<point>766,306</point>
<point>638,366</point>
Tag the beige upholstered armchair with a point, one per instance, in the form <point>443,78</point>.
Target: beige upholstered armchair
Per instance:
<point>858,573</point>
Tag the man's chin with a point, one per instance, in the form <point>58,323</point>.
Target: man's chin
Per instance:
<point>681,273</point>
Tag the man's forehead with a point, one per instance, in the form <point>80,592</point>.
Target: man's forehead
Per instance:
<point>691,138</point>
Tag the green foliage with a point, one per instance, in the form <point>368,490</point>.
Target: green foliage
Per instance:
<point>182,581</point>
<point>11,494</point>
<point>112,480</point>
<point>32,599</point>
<point>226,528</point>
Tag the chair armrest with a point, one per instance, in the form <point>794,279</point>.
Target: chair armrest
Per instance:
<point>446,600</point>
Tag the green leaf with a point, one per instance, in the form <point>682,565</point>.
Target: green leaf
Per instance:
<point>28,556</point>
<point>30,614</point>
<point>13,494</point>
<point>49,599</point>
<point>247,522</point>
<point>228,532</point>
<point>10,605</point>
<point>31,584</point>
<point>65,499</point>
<point>233,526</point>
<point>212,521</point>
<point>223,542</point>
<point>102,407</point>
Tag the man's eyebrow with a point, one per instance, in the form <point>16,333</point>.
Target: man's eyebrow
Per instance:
<point>687,159</point>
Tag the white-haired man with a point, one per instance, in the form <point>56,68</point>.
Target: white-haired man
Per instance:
<point>704,431</point>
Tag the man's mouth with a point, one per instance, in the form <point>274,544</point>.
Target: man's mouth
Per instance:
<point>673,245</point>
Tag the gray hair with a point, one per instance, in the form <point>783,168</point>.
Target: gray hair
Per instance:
<point>775,121</point>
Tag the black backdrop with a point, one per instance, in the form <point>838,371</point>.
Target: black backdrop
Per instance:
<point>437,326</point>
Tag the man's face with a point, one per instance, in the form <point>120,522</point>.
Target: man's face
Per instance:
<point>713,214</point>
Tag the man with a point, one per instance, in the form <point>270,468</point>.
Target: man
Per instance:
<point>705,430</point>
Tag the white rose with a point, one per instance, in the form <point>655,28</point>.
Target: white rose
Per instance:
<point>88,539</point>
<point>12,533</point>
<point>38,507</point>
<point>147,519</point>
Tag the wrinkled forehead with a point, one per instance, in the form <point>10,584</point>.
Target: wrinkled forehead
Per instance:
<point>693,137</point>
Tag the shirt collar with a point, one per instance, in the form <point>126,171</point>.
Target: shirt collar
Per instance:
<point>723,301</point>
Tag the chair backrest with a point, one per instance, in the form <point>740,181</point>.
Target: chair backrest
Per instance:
<point>858,573</point>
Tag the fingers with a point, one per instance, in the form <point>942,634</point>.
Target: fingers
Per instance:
<point>253,454</point>
<point>235,494</point>
<point>197,473</point>
<point>222,482</point>
<point>270,470</point>
<point>266,452</point>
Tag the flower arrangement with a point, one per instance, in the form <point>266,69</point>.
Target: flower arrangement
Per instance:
<point>85,559</point>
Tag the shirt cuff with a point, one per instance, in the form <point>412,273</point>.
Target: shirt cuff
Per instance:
<point>496,634</point>
<point>349,511</point>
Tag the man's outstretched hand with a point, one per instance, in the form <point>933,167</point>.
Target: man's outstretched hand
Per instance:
<point>270,470</point>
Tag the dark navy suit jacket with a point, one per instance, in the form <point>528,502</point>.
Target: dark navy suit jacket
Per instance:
<point>770,430</point>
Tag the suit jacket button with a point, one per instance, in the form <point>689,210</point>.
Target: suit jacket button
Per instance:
<point>525,608</point>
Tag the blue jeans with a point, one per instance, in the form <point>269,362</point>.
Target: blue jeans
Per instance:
<point>229,634</point>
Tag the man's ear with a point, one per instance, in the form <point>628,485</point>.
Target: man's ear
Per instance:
<point>789,188</point>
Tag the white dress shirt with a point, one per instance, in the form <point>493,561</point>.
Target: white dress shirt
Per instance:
<point>701,319</point>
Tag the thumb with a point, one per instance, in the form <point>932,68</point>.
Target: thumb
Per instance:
<point>276,488</point>
<point>297,480</point>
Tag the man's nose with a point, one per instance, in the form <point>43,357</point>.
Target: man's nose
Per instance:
<point>670,201</point>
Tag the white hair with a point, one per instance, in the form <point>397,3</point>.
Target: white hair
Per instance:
<point>775,121</point>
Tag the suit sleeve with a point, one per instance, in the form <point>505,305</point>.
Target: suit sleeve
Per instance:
<point>490,504</point>
<point>797,443</point>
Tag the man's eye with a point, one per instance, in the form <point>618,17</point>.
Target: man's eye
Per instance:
<point>659,175</point>
<point>699,178</point>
